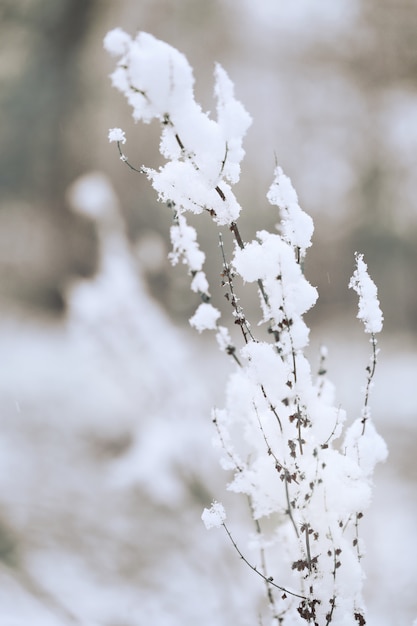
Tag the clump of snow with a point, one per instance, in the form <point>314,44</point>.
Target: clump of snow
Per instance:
<point>272,260</point>
<point>154,76</point>
<point>289,294</point>
<point>366,446</point>
<point>205,318</point>
<point>233,121</point>
<point>215,516</point>
<point>117,41</point>
<point>185,185</point>
<point>203,155</point>
<point>297,226</point>
<point>265,367</point>
<point>186,248</point>
<point>117,135</point>
<point>223,338</point>
<point>369,310</point>
<point>199,283</point>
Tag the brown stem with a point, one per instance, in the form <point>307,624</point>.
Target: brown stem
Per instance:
<point>124,159</point>
<point>267,579</point>
<point>371,372</point>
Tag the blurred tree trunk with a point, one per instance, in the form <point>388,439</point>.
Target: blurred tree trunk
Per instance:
<point>45,39</point>
<point>43,43</point>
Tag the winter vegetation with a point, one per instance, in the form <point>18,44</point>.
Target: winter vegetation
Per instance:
<point>107,391</point>
<point>302,467</point>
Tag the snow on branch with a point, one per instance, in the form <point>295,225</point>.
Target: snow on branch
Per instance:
<point>117,135</point>
<point>369,310</point>
<point>205,318</point>
<point>279,433</point>
<point>215,516</point>
<point>296,226</point>
<point>203,155</point>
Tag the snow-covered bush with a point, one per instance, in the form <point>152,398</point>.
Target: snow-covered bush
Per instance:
<point>305,472</point>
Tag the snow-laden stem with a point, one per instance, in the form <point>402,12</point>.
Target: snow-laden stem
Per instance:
<point>280,431</point>
<point>370,375</point>
<point>227,281</point>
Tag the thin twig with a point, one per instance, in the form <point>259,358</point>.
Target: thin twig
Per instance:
<point>268,447</point>
<point>224,159</point>
<point>268,579</point>
<point>270,595</point>
<point>289,509</point>
<point>371,372</point>
<point>229,453</point>
<point>123,157</point>
<point>322,371</point>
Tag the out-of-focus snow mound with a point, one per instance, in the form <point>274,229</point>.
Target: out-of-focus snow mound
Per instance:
<point>105,457</point>
<point>106,462</point>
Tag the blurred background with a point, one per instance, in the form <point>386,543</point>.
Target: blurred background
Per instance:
<point>105,459</point>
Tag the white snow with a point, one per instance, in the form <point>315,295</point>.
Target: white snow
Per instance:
<point>184,243</point>
<point>297,226</point>
<point>275,419</point>
<point>205,317</point>
<point>280,432</point>
<point>117,41</point>
<point>203,155</point>
<point>215,516</point>
<point>289,293</point>
<point>117,135</point>
<point>369,310</point>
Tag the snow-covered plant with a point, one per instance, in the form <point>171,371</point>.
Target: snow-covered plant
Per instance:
<point>305,473</point>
